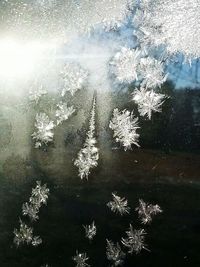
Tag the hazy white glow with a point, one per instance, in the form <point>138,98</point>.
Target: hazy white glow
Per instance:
<point>19,59</point>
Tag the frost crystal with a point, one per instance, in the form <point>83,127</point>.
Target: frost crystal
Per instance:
<point>88,155</point>
<point>80,259</point>
<point>146,211</point>
<point>63,112</point>
<point>114,253</point>
<point>90,231</point>
<point>148,101</point>
<point>23,235</point>
<point>36,241</point>
<point>135,240</point>
<point>35,95</point>
<point>125,65</point>
<point>124,125</point>
<point>151,71</point>
<point>44,133</point>
<point>38,197</point>
<point>74,77</point>
<point>40,194</point>
<point>31,211</point>
<point>118,205</point>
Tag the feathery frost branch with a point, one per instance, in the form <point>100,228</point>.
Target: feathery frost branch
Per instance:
<point>63,112</point>
<point>88,156</point>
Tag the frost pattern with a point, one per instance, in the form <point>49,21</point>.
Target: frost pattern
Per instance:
<point>80,259</point>
<point>125,65</point>
<point>74,78</point>
<point>44,130</point>
<point>90,231</point>
<point>114,253</point>
<point>152,72</point>
<point>25,236</point>
<point>135,240</point>
<point>119,205</point>
<point>146,211</point>
<point>125,125</point>
<point>35,95</point>
<point>63,112</point>
<point>38,197</point>
<point>88,156</point>
<point>173,23</point>
<point>148,101</point>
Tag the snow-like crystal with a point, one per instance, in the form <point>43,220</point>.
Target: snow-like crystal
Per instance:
<point>124,125</point>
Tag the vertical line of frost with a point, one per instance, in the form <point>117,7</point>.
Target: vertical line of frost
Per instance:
<point>88,156</point>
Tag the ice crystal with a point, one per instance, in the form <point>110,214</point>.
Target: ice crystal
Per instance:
<point>44,130</point>
<point>148,101</point>
<point>119,205</point>
<point>88,156</point>
<point>124,125</point>
<point>151,71</point>
<point>63,112</point>
<point>174,23</point>
<point>36,94</point>
<point>31,211</point>
<point>80,259</point>
<point>135,240</point>
<point>125,65</point>
<point>40,194</point>
<point>114,253</point>
<point>24,235</point>
<point>146,211</point>
<point>90,231</point>
<point>36,241</point>
<point>38,197</point>
<point>74,78</point>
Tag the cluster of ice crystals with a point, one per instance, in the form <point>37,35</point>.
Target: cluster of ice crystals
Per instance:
<point>63,112</point>
<point>44,130</point>
<point>88,156</point>
<point>38,197</point>
<point>25,236</point>
<point>90,231</point>
<point>114,253</point>
<point>74,78</point>
<point>125,65</point>
<point>124,125</point>
<point>36,94</point>
<point>148,101</point>
<point>173,23</point>
<point>152,72</point>
<point>80,259</point>
<point>135,240</point>
<point>119,205</point>
<point>146,211</point>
